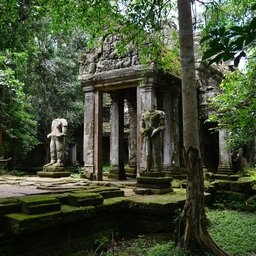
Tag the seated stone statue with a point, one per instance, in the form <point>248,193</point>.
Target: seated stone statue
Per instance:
<point>152,125</point>
<point>57,135</point>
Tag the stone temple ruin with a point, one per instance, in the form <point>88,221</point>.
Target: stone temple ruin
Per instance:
<point>142,88</point>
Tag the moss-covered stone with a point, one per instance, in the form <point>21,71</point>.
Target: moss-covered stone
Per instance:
<point>53,174</point>
<point>242,186</point>
<point>39,199</point>
<point>8,206</point>
<point>39,204</point>
<point>112,205</point>
<point>220,185</point>
<point>250,204</point>
<point>107,192</point>
<point>18,223</point>
<point>85,198</point>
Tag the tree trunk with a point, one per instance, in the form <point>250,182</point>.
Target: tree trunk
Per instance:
<point>192,234</point>
<point>1,142</point>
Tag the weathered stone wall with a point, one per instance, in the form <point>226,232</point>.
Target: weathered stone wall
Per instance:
<point>106,57</point>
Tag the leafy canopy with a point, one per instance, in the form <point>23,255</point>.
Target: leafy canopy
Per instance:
<point>235,107</point>
<point>17,121</point>
<point>230,30</point>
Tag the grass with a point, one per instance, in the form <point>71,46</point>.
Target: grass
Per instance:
<point>233,231</point>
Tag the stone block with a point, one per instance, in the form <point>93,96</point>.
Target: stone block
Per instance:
<point>8,206</point>
<point>107,192</point>
<point>153,186</point>
<point>242,186</point>
<point>220,185</point>
<point>219,176</point>
<point>56,172</point>
<point>161,191</point>
<point>152,174</point>
<point>85,198</point>
<point>20,223</point>
<point>155,181</point>
<point>113,176</point>
<point>39,204</point>
<point>110,194</point>
<point>87,175</point>
<point>130,172</point>
<point>142,191</point>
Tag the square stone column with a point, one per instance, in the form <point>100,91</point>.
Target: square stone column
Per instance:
<point>98,138</point>
<point>132,139</point>
<point>88,148</point>
<point>224,154</point>
<point>171,133</point>
<point>117,137</point>
<point>92,134</point>
<point>146,100</point>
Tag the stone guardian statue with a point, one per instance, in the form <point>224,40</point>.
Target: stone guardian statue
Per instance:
<point>152,125</point>
<point>57,144</point>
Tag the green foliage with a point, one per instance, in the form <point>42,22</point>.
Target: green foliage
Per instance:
<point>53,83</point>
<point>41,61</point>
<point>230,30</point>
<point>233,231</point>
<point>143,246</point>
<point>235,106</point>
<point>17,120</point>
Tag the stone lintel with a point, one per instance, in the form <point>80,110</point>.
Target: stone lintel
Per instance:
<point>126,77</point>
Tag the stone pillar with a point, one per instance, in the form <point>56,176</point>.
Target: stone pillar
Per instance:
<point>88,148</point>
<point>172,132</point>
<point>73,154</point>
<point>224,153</point>
<point>98,138</point>
<point>175,131</point>
<point>132,139</point>
<point>117,137</point>
<point>168,143</point>
<point>146,100</point>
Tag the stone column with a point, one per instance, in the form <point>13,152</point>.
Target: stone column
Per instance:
<point>132,139</point>
<point>73,153</point>
<point>224,153</point>
<point>88,149</point>
<point>171,133</point>
<point>98,138</point>
<point>146,100</point>
<point>168,143</point>
<point>175,131</point>
<point>117,137</point>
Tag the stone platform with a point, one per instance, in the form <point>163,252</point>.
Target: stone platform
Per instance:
<point>153,183</point>
<point>53,171</point>
<point>75,209</point>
